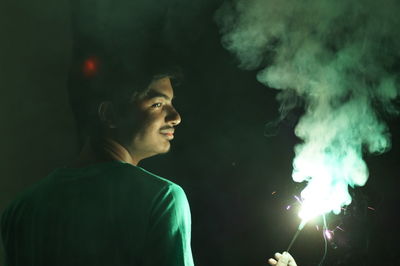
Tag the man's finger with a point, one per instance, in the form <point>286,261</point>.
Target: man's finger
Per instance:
<point>283,259</point>
<point>271,261</point>
<point>278,256</point>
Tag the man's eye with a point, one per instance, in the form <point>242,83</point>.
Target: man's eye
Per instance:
<point>156,105</point>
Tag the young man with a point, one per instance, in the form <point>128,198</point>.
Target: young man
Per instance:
<point>103,209</point>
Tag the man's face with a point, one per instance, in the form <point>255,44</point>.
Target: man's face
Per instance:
<point>149,125</point>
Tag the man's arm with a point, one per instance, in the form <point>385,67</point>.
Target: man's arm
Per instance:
<point>168,235</point>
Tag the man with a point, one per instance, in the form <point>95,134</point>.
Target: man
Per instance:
<point>103,209</point>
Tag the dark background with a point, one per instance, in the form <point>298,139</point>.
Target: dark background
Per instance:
<point>220,155</point>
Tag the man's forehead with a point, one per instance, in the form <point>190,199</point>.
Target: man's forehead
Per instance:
<point>154,93</point>
<point>160,88</point>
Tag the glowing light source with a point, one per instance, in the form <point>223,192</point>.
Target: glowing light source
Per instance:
<point>90,66</point>
<point>327,184</point>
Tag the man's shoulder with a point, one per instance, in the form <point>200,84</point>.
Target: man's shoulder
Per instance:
<point>164,182</point>
<point>134,178</point>
<point>110,172</point>
<point>163,186</point>
<point>120,176</point>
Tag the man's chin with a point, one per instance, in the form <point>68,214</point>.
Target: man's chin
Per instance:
<point>165,149</point>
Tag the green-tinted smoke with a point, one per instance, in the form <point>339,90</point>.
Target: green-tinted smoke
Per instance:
<point>340,57</point>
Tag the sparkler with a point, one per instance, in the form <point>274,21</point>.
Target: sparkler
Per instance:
<point>301,226</point>
<point>306,215</point>
<point>294,238</point>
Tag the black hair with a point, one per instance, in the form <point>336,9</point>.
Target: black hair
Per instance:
<point>96,77</point>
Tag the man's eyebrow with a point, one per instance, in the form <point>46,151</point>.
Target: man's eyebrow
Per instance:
<point>155,94</point>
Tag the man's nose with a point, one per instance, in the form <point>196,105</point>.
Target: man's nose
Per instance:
<point>173,117</point>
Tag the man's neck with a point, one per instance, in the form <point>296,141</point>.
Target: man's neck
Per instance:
<point>102,150</point>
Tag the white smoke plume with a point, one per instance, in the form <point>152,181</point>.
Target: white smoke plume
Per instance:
<point>340,57</point>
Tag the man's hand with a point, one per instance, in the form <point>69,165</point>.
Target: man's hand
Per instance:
<point>284,259</point>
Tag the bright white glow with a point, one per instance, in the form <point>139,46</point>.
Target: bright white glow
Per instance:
<point>328,234</point>
<point>321,197</point>
<point>327,182</point>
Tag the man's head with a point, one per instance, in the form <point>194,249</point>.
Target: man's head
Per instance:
<point>114,69</point>
<point>145,125</point>
<point>131,104</point>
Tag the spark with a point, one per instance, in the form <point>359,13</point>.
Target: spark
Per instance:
<point>338,227</point>
<point>328,234</point>
<point>298,199</point>
<point>273,193</point>
<point>288,207</point>
<point>371,208</point>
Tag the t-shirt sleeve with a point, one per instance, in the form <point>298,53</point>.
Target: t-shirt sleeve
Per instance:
<point>168,236</point>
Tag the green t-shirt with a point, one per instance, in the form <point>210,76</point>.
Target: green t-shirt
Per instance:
<point>106,214</point>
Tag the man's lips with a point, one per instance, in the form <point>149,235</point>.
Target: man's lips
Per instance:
<point>168,133</point>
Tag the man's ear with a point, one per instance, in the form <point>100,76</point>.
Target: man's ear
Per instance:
<point>107,114</point>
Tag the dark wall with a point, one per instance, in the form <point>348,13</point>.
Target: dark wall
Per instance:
<point>220,156</point>
<point>37,129</point>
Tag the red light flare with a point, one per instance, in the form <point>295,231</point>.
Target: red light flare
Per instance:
<point>90,66</point>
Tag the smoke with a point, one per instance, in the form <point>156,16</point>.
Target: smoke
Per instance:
<point>340,57</point>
